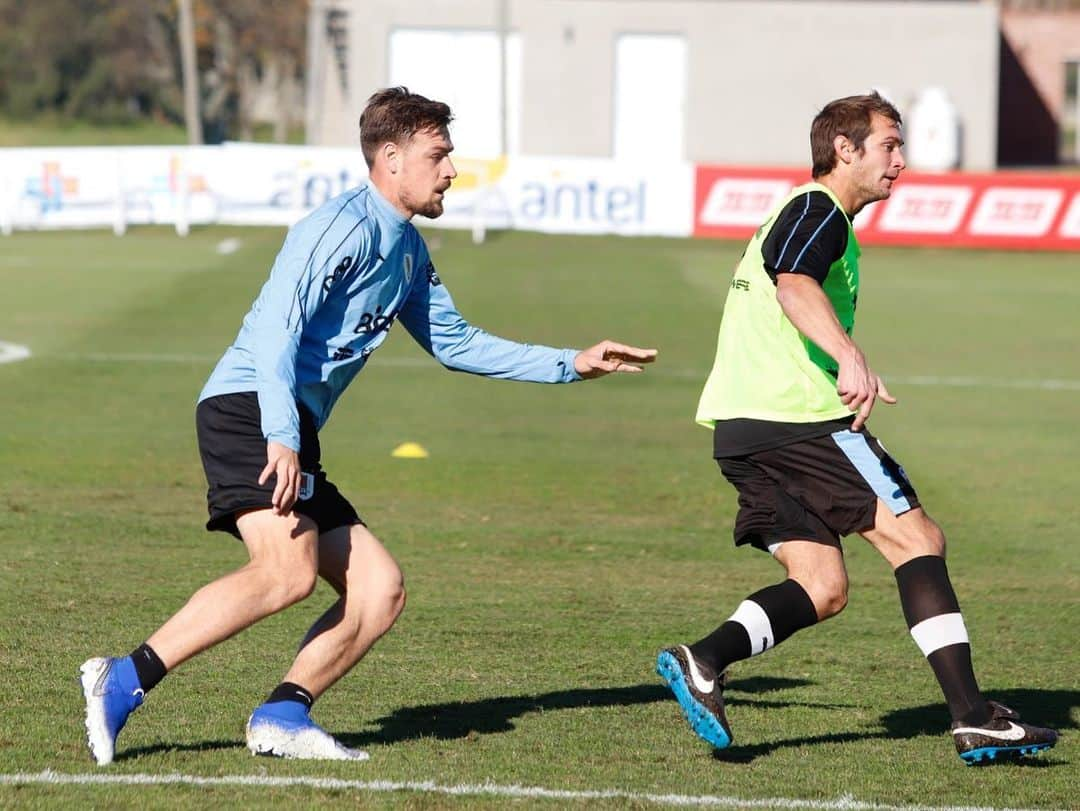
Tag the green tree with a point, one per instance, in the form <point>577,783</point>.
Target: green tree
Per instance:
<point>89,59</point>
<point>110,61</point>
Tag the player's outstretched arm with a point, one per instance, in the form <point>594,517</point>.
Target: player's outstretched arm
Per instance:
<point>608,356</point>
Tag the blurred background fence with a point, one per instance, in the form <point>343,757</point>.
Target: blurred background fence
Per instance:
<point>669,117</point>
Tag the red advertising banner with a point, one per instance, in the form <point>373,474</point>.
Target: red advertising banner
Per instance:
<point>1000,210</point>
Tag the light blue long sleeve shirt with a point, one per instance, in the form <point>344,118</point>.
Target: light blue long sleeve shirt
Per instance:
<point>346,272</point>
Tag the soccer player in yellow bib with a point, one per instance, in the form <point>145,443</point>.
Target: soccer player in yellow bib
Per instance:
<point>788,398</point>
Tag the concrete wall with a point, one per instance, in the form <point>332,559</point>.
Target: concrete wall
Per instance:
<point>758,71</point>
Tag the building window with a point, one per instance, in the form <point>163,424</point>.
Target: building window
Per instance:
<point>650,97</point>
<point>462,68</point>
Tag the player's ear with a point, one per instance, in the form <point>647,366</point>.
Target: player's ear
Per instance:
<point>844,148</point>
<point>391,157</point>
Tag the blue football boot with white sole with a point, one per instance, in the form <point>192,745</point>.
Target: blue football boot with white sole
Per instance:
<point>112,692</point>
<point>284,729</point>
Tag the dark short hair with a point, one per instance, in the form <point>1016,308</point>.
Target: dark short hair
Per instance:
<point>395,115</point>
<point>851,117</point>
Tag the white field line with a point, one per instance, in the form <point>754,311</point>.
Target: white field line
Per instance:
<point>9,353</point>
<point>488,789</point>
<point>956,381</point>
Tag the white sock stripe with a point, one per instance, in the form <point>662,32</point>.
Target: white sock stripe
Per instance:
<point>940,631</point>
<point>753,618</point>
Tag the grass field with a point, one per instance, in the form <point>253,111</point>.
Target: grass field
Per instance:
<point>48,130</point>
<point>53,131</point>
<point>555,539</point>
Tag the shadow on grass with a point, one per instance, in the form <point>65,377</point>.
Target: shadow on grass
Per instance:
<point>464,719</point>
<point>1052,708</point>
<point>171,748</point>
<point>471,718</point>
<point>491,715</point>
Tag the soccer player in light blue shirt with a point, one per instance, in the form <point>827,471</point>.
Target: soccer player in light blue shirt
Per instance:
<point>345,274</point>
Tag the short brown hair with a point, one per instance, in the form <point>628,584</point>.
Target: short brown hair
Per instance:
<point>395,115</point>
<point>851,117</point>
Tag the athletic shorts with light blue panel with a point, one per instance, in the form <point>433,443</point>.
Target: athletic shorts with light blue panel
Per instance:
<point>819,489</point>
<point>884,475</point>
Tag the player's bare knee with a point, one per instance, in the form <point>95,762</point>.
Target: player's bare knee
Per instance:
<point>827,590</point>
<point>836,603</point>
<point>389,597</point>
<point>380,596</point>
<point>393,603</point>
<point>822,575</point>
<point>290,585</point>
<point>921,537</point>
<point>829,596</point>
<point>303,582</point>
<point>935,539</point>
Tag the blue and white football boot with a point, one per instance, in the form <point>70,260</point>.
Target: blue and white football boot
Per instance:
<point>284,729</point>
<point>112,692</point>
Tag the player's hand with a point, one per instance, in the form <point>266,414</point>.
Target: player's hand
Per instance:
<point>285,463</point>
<point>859,388</point>
<point>607,357</point>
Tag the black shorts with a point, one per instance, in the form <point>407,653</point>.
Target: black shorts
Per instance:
<point>233,453</point>
<point>815,490</point>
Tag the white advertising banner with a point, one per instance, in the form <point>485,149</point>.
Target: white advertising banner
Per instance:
<point>572,196</point>
<point>59,188</point>
<point>272,184</point>
<point>262,184</point>
<point>112,187</point>
<point>246,184</point>
<point>167,185</point>
<point>269,184</point>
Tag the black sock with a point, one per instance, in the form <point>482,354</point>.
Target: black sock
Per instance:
<point>763,620</point>
<point>287,691</point>
<point>148,667</point>
<point>933,617</point>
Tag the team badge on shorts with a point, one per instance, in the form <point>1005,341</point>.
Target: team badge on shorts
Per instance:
<point>307,486</point>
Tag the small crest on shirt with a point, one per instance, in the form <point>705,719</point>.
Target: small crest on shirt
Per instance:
<point>408,267</point>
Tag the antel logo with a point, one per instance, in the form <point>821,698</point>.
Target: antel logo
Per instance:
<point>1011,212</point>
<point>925,209</point>
<point>742,201</point>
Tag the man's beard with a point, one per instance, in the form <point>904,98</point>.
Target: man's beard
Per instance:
<point>873,193</point>
<point>430,208</point>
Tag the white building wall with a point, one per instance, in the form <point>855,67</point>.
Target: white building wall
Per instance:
<point>757,71</point>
